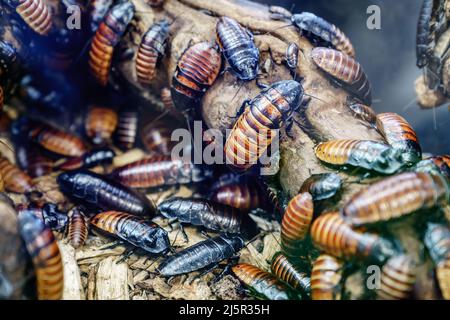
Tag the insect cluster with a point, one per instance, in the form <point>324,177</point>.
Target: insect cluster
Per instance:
<point>321,239</point>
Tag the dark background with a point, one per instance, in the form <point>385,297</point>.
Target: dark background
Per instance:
<point>389,59</point>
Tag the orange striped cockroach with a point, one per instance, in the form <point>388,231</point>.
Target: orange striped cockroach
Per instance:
<point>322,186</point>
<point>400,135</point>
<point>77,229</point>
<point>151,49</point>
<point>262,284</point>
<point>398,277</point>
<point>100,124</point>
<point>370,155</point>
<point>296,222</point>
<point>256,127</point>
<point>106,38</point>
<point>15,180</point>
<point>289,273</point>
<point>35,13</point>
<point>346,72</point>
<point>156,137</point>
<point>333,235</point>
<point>395,197</point>
<point>326,276</point>
<point>323,33</point>
<point>196,71</point>
<point>364,113</point>
<point>43,249</point>
<point>127,127</point>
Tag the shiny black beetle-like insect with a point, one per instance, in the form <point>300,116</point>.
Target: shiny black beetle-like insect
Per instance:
<point>49,213</point>
<point>322,186</point>
<point>424,36</point>
<point>90,159</point>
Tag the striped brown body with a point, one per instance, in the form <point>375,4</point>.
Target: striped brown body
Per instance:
<point>15,180</point>
<point>333,235</point>
<point>398,276</point>
<point>296,222</point>
<point>36,15</point>
<point>326,278</point>
<point>396,196</point>
<point>154,3</point>
<point>77,230</point>
<point>244,196</point>
<point>151,49</point>
<point>126,132</point>
<point>100,124</point>
<point>287,272</point>
<point>197,69</point>
<point>106,38</point>
<point>156,137</point>
<point>166,99</point>
<point>255,129</point>
<point>345,70</point>
<point>364,112</point>
<point>400,135</point>
<point>443,276</point>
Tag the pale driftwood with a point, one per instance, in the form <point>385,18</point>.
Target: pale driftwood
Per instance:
<point>73,288</point>
<point>112,280</point>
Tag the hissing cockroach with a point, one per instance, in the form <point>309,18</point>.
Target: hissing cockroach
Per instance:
<point>400,136</point>
<point>205,254</point>
<point>289,273</point>
<point>126,132</point>
<point>152,48</point>
<point>92,158</point>
<point>100,124</point>
<point>279,13</point>
<point>49,213</point>
<point>322,186</point>
<point>160,171</point>
<point>197,69</point>
<point>57,141</point>
<point>43,249</point>
<point>166,99</point>
<point>99,191</point>
<point>30,159</point>
<point>326,278</point>
<point>262,284</point>
<point>106,38</point>
<point>139,232</point>
<point>208,214</point>
<point>345,70</point>
<point>398,277</point>
<point>97,10</point>
<point>334,236</point>
<point>443,277</point>
<point>256,127</point>
<point>370,155</point>
<point>323,32</point>
<point>156,137</point>
<point>443,163</point>
<point>154,3</point>
<point>238,47</point>
<point>292,56</point>
<point>77,229</point>
<point>244,196</point>
<point>15,179</point>
<point>437,241</point>
<point>296,221</point>
<point>395,197</point>
<point>424,37</point>
<point>35,13</point>
<point>364,112</point>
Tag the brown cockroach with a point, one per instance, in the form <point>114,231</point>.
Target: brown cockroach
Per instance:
<point>244,196</point>
<point>35,13</point>
<point>15,180</point>
<point>77,230</point>
<point>363,112</point>
<point>289,273</point>
<point>326,276</point>
<point>398,276</point>
<point>156,137</point>
<point>100,124</point>
<point>127,127</point>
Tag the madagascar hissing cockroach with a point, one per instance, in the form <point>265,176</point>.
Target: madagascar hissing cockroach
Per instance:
<point>395,197</point>
<point>262,284</point>
<point>100,124</point>
<point>326,276</point>
<point>244,195</point>
<point>53,218</point>
<point>156,137</point>
<point>57,141</point>
<point>100,192</point>
<point>289,273</point>
<point>139,232</point>
<point>160,171</point>
<point>154,3</point>
<point>346,72</point>
<point>106,38</point>
<point>196,71</point>
<point>97,10</point>
<point>279,13</point>
<point>322,186</point>
<point>43,249</point>
<point>166,99</point>
<point>399,134</point>
<point>92,158</point>
<point>429,166</point>
<point>333,235</point>
<point>443,276</point>
<point>367,154</point>
<point>238,47</point>
<point>31,159</point>
<point>77,228</point>
<point>209,214</point>
<point>152,48</point>
<point>35,13</point>
<point>363,112</point>
<point>443,163</point>
<point>424,36</point>
<point>206,254</point>
<point>15,179</point>
<point>398,277</point>
<point>322,32</point>
<point>437,241</point>
<point>256,126</point>
<point>126,132</point>
<point>296,222</point>
<point>292,56</point>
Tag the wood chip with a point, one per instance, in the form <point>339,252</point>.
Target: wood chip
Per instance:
<point>112,280</point>
<point>73,289</point>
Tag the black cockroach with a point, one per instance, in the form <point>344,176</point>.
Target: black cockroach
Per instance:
<point>238,47</point>
<point>206,254</point>
<point>77,229</point>
<point>437,241</point>
<point>15,180</point>
<point>35,13</point>
<point>126,132</point>
<point>99,191</point>
<point>323,32</point>
<point>92,158</point>
<point>9,69</point>
<point>100,124</point>
<point>398,277</point>
<point>424,37</point>
<point>292,56</point>
<point>322,186</point>
<point>363,112</point>
<point>49,213</point>
<point>97,10</point>
<point>208,214</point>
<point>284,270</point>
